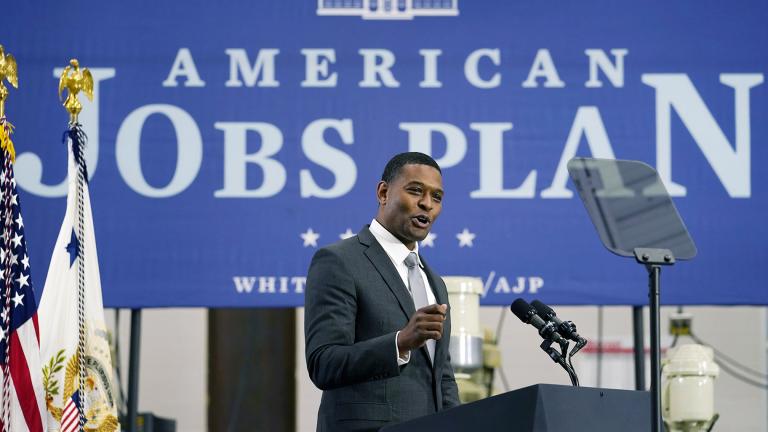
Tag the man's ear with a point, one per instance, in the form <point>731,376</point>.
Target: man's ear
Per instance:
<point>381,192</point>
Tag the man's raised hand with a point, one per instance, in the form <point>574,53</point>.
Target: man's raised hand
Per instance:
<point>426,323</point>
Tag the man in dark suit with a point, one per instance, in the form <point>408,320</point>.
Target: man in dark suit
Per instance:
<point>377,324</point>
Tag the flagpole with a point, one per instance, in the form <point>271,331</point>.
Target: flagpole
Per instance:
<point>80,273</point>
<point>8,72</point>
<point>7,222</point>
<point>133,371</point>
<point>75,79</point>
<point>23,393</point>
<point>77,377</point>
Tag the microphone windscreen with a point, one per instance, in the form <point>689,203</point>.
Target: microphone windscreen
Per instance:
<point>521,309</point>
<point>542,309</point>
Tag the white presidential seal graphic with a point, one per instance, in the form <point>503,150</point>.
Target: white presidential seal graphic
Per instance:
<point>388,9</point>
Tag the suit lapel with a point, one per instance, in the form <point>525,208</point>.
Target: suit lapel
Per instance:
<point>383,264</point>
<point>438,287</point>
<point>386,269</point>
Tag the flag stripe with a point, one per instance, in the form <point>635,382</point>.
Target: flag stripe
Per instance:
<point>17,422</point>
<point>69,414</point>
<point>72,423</point>
<point>29,340</point>
<point>37,329</point>
<point>22,383</point>
<point>70,417</point>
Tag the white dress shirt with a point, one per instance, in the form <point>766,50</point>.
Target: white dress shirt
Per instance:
<point>397,252</point>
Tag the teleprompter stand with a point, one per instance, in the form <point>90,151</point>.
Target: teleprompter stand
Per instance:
<point>653,259</point>
<point>635,217</point>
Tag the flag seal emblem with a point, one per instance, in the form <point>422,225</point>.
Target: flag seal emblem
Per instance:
<point>99,417</point>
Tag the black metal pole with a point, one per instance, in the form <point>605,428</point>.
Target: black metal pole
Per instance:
<point>654,274</point>
<point>133,370</point>
<point>639,344</point>
<point>599,359</point>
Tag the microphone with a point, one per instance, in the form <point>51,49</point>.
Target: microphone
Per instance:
<point>566,328</point>
<point>527,314</point>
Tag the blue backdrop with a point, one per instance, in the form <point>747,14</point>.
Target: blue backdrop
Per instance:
<point>225,136</point>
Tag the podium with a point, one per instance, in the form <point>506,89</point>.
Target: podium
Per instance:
<point>543,408</point>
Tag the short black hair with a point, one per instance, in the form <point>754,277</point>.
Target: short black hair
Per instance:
<point>400,160</point>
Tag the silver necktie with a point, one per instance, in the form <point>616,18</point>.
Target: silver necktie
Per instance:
<point>419,293</point>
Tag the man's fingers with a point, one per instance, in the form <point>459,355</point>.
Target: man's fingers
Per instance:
<point>437,326</point>
<point>434,309</point>
<point>435,335</point>
<point>426,323</point>
<point>431,334</point>
<point>422,332</point>
<point>425,317</point>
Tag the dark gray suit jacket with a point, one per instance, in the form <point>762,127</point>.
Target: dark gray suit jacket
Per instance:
<point>355,303</point>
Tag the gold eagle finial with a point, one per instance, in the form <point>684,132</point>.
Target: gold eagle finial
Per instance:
<point>8,71</point>
<point>75,80</point>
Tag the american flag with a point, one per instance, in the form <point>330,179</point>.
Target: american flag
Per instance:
<point>70,417</point>
<point>22,405</point>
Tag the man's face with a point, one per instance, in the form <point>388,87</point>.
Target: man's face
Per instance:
<point>411,202</point>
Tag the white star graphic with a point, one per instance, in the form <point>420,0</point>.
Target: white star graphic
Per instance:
<point>22,280</point>
<point>310,238</point>
<point>2,253</point>
<point>17,239</point>
<point>346,234</point>
<point>18,299</point>
<point>429,240</point>
<point>4,314</point>
<point>465,238</point>
<point>15,199</point>
<point>20,221</point>
<point>2,335</point>
<point>25,261</point>
<point>14,259</point>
